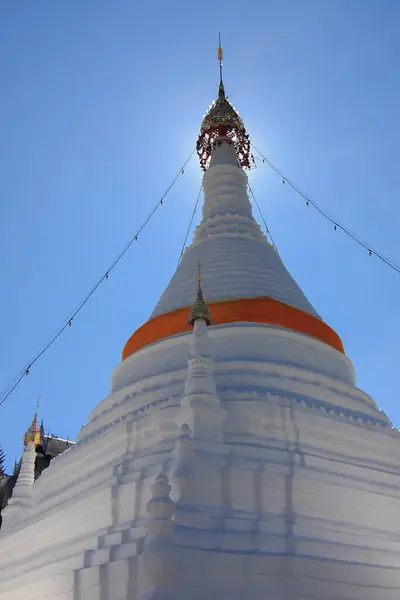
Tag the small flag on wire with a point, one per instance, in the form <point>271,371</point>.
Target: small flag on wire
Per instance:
<point>220,54</point>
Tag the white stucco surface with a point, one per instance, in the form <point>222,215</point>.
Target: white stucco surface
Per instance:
<point>236,259</point>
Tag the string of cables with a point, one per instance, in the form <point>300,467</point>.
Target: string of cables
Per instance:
<point>195,210</point>
<point>336,224</point>
<point>262,218</point>
<point>190,224</point>
<point>10,387</point>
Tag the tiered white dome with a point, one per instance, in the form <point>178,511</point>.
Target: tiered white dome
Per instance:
<point>236,259</point>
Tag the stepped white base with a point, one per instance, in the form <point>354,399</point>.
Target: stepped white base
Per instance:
<point>301,499</point>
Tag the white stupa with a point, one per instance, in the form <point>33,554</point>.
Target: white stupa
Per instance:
<point>234,458</point>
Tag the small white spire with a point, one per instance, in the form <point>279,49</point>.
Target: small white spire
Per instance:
<point>158,550</point>
<point>184,470</point>
<point>21,499</point>
<point>160,508</point>
<point>201,409</point>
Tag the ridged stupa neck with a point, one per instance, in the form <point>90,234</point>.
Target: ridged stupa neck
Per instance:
<point>223,154</point>
<point>226,209</point>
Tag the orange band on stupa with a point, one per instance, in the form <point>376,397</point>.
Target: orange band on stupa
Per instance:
<point>250,310</point>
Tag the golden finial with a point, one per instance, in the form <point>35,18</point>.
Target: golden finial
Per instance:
<point>33,434</point>
<point>220,56</point>
<point>222,121</point>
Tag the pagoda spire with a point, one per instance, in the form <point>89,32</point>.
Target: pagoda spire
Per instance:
<point>221,93</point>
<point>157,557</point>
<point>21,498</point>
<point>199,308</point>
<point>201,407</point>
<point>223,123</point>
<point>33,433</point>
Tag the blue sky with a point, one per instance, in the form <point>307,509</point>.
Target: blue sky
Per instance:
<point>101,103</point>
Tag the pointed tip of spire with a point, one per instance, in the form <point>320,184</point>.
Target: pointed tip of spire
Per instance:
<point>221,92</point>
<point>33,434</point>
<point>185,429</point>
<point>222,121</point>
<point>199,308</point>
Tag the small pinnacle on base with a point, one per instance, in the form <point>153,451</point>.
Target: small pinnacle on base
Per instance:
<point>199,308</point>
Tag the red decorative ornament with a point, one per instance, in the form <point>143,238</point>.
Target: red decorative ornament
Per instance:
<point>222,123</point>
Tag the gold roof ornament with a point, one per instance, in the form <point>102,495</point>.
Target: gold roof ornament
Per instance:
<point>199,308</point>
<point>222,123</point>
<point>33,434</point>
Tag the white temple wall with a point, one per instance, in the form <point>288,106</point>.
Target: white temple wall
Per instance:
<point>240,490</point>
<point>237,576</point>
<point>53,538</point>
<point>57,587</point>
<point>83,466</point>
